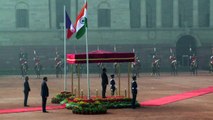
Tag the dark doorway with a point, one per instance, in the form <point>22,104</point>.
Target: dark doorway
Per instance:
<point>185,47</point>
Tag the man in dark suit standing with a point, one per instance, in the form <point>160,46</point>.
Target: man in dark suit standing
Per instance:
<point>104,82</point>
<point>26,91</point>
<point>44,94</point>
<point>134,91</point>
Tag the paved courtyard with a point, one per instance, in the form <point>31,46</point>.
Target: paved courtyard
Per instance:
<point>197,108</point>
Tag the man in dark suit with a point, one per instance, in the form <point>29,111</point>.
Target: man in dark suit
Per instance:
<point>134,91</point>
<point>44,94</point>
<point>26,91</point>
<point>104,82</point>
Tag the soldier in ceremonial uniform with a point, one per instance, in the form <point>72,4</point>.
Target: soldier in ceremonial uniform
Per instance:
<point>211,59</point>
<point>172,58</point>
<point>137,67</point>
<point>22,58</point>
<point>193,58</point>
<point>173,63</point>
<point>133,64</point>
<point>23,63</point>
<point>58,66</point>
<point>211,64</point>
<point>134,91</point>
<point>57,59</point>
<point>115,67</point>
<point>155,66</point>
<point>36,59</point>
<point>37,65</point>
<point>112,85</point>
<point>193,64</point>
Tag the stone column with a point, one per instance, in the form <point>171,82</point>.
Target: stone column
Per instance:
<point>195,13</point>
<point>53,14</point>
<point>143,13</point>
<point>175,13</point>
<point>158,13</point>
<point>211,13</point>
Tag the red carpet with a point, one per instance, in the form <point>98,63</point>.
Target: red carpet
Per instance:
<point>31,109</point>
<point>177,97</point>
<point>155,102</point>
<point>52,107</point>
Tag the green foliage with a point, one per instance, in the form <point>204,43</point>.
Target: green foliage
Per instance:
<point>62,98</point>
<point>91,106</point>
<point>55,100</point>
<point>87,107</point>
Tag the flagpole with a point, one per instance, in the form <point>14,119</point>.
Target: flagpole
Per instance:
<point>87,57</point>
<point>65,58</point>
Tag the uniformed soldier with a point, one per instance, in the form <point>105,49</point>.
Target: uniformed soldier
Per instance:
<point>115,67</point>
<point>155,66</point>
<point>172,59</point>
<point>21,61</point>
<point>58,64</point>
<point>36,59</point>
<point>138,66</point>
<point>211,59</point>
<point>155,59</point>
<point>173,64</point>
<point>193,64</point>
<point>193,58</point>
<point>57,60</point>
<point>133,64</point>
<point>134,91</point>
<point>22,58</point>
<point>211,64</point>
<point>112,85</point>
<point>37,65</point>
<point>21,54</point>
<point>23,65</point>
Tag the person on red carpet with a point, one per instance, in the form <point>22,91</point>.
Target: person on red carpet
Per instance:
<point>44,94</point>
<point>26,91</point>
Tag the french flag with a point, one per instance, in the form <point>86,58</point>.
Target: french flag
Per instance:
<point>69,26</point>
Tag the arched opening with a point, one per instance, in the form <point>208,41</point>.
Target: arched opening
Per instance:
<point>185,47</point>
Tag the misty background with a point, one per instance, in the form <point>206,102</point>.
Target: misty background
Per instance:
<point>114,25</point>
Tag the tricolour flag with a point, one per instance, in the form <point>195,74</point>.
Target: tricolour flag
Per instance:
<point>81,22</point>
<point>69,26</point>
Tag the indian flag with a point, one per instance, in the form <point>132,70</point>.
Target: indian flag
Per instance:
<point>81,22</point>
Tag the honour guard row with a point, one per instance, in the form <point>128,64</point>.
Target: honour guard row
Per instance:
<point>23,63</point>
<point>135,66</point>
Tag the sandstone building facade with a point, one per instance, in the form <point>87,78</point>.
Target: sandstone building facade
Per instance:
<point>122,24</point>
